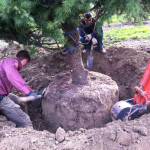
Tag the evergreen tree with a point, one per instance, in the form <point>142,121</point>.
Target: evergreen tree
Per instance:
<point>23,18</point>
<point>35,19</point>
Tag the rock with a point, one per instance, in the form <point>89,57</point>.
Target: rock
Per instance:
<point>141,130</point>
<point>82,130</point>
<point>70,133</point>
<point>3,45</point>
<point>60,134</point>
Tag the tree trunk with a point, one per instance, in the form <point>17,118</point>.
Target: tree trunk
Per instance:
<point>78,72</point>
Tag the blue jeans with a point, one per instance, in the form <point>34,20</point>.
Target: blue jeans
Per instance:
<point>1,97</point>
<point>99,40</point>
<point>86,46</point>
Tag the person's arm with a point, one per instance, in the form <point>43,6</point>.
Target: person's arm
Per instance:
<point>15,78</point>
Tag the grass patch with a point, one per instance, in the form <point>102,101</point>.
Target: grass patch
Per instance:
<point>116,18</point>
<point>120,18</point>
<point>126,33</point>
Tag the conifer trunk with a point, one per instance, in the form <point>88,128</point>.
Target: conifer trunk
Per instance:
<point>78,72</point>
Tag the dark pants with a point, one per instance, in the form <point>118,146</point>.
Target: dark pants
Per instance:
<point>99,41</point>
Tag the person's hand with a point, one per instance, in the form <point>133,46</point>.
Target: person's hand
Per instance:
<point>35,94</point>
<point>94,41</point>
<point>88,37</point>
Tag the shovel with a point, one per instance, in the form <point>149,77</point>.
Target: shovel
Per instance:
<point>26,99</point>
<point>90,58</point>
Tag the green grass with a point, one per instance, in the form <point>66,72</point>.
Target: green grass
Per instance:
<point>127,33</point>
<point>116,18</point>
<point>120,18</point>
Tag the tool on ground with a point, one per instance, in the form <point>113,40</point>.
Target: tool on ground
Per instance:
<point>90,58</point>
<point>132,108</point>
<point>25,99</point>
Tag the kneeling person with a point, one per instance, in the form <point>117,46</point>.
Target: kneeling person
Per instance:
<point>9,78</point>
<point>91,30</point>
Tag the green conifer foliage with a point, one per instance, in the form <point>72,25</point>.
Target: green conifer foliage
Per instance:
<point>45,18</point>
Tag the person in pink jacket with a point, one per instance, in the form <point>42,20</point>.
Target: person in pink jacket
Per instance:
<point>9,78</point>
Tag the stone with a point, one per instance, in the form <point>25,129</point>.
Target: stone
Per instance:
<point>60,134</point>
<point>141,130</point>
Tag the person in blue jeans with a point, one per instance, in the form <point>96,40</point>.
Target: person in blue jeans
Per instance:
<point>89,30</point>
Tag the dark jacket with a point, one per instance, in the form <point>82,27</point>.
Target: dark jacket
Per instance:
<point>89,29</point>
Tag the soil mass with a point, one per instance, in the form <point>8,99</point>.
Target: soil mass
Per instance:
<point>125,65</point>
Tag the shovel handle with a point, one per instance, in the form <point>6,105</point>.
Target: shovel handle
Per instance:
<point>29,98</point>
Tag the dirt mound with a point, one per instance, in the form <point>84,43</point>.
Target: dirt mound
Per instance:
<point>74,106</point>
<point>130,135</point>
<point>124,65</point>
<point>141,45</point>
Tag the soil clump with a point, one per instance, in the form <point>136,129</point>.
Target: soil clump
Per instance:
<point>124,65</point>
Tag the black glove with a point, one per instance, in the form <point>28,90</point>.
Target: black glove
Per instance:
<point>35,94</point>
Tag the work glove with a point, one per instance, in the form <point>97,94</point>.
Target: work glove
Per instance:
<point>94,41</point>
<point>35,94</point>
<point>88,37</point>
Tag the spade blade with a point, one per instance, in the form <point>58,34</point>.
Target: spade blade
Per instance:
<point>90,62</point>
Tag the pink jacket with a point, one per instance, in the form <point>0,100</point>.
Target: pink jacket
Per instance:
<point>10,77</point>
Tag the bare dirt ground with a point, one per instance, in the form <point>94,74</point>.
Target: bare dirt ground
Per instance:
<point>116,135</point>
<point>141,45</point>
<point>125,65</point>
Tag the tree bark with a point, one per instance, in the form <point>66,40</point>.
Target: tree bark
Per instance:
<point>78,72</point>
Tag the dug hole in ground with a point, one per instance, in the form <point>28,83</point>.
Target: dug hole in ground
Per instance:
<point>83,111</point>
